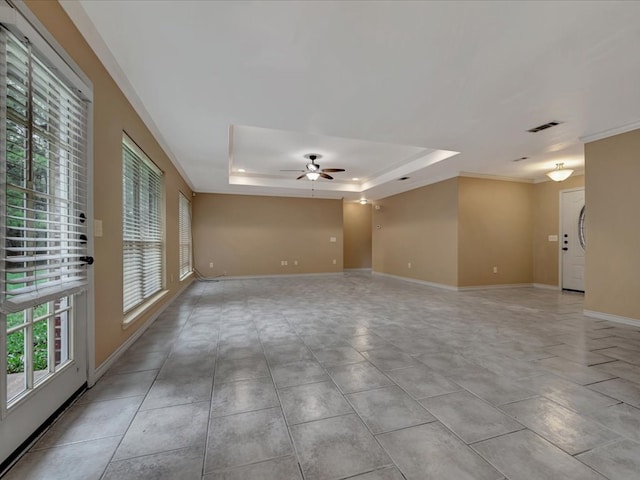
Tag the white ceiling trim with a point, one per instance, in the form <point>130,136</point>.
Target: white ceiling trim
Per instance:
<point>496,177</point>
<point>610,132</point>
<point>409,168</point>
<point>261,181</point>
<point>310,192</point>
<point>83,23</point>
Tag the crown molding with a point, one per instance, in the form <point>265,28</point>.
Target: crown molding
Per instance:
<point>495,177</point>
<point>592,137</point>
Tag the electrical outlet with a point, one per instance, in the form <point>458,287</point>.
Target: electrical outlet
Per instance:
<point>210,264</point>
<point>334,261</point>
<point>286,263</point>
<point>409,265</point>
<point>295,262</point>
<point>495,269</point>
<point>332,239</point>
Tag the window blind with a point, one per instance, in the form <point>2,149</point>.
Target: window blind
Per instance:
<point>142,226</point>
<point>43,138</point>
<point>184,227</point>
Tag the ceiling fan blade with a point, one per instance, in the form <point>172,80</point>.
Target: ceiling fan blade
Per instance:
<point>324,175</point>
<point>301,176</point>
<point>333,170</point>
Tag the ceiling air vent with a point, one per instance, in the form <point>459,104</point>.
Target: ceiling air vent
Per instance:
<point>539,128</point>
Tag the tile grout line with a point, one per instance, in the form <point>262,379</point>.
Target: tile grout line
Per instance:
<point>284,419</point>
<point>213,388</point>
<point>104,472</point>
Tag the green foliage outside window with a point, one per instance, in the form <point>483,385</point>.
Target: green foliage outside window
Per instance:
<point>17,201</point>
<point>15,349</point>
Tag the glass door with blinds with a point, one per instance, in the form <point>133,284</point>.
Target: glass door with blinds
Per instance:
<point>44,242</point>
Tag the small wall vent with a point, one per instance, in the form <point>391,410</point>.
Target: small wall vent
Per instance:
<point>403,178</point>
<point>539,128</point>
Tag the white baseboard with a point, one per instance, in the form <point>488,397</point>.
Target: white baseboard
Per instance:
<point>104,366</point>
<point>612,318</point>
<point>544,286</point>
<point>452,287</point>
<point>499,286</point>
<point>414,280</point>
<point>284,275</point>
<point>364,270</point>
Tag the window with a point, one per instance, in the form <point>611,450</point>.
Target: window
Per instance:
<point>184,226</point>
<point>142,226</point>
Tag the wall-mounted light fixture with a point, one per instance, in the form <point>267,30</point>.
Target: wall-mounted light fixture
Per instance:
<point>560,173</point>
<point>363,201</point>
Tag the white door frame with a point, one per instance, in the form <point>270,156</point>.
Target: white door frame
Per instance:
<point>566,190</point>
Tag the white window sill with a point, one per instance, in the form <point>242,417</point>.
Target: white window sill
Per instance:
<point>137,312</point>
<point>186,276</point>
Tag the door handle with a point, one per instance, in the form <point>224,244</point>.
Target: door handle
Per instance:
<point>87,260</point>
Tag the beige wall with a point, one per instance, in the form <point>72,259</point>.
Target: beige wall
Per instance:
<point>455,232</point>
<point>612,193</point>
<point>112,114</point>
<point>357,235</point>
<point>419,226</point>
<point>494,229</point>
<point>546,221</point>
<point>250,235</point>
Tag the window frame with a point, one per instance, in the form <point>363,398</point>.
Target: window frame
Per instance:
<point>184,203</point>
<point>132,311</point>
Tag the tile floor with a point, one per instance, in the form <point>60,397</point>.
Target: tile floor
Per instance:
<point>358,377</point>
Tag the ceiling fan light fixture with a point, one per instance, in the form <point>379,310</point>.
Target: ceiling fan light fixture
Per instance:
<point>313,176</point>
<point>312,167</point>
<point>560,173</point>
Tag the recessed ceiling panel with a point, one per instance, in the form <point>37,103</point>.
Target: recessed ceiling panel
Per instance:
<point>275,158</point>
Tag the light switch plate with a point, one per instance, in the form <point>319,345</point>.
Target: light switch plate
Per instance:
<point>332,239</point>
<point>553,238</point>
<point>97,228</point>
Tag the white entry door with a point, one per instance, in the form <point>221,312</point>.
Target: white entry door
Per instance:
<point>44,240</point>
<point>572,239</point>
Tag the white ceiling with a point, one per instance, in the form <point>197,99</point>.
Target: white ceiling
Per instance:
<point>378,88</point>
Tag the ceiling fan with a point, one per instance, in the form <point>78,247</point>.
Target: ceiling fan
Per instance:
<point>313,171</point>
